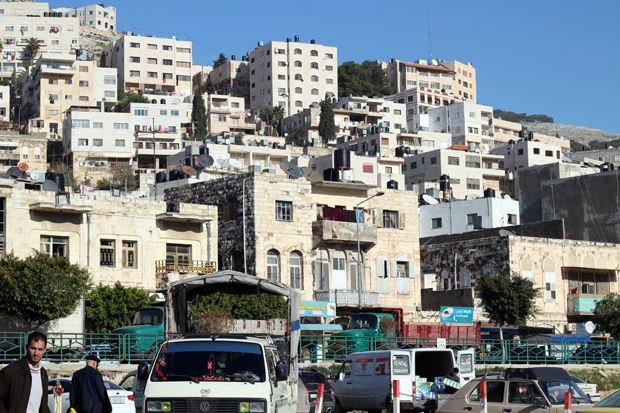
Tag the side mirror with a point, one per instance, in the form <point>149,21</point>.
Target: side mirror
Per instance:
<point>539,401</point>
<point>341,376</point>
<point>281,371</point>
<point>332,376</point>
<point>143,371</point>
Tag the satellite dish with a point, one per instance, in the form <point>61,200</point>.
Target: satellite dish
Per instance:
<point>589,326</point>
<point>235,163</point>
<point>291,169</point>
<point>205,161</point>
<point>311,175</point>
<point>505,233</point>
<point>189,170</point>
<point>176,100</point>
<point>429,199</point>
<point>224,163</point>
<point>22,166</point>
<point>507,197</point>
<point>35,175</point>
<point>203,176</point>
<point>50,186</point>
<point>14,172</point>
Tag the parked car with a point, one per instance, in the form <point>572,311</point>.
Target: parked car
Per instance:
<point>596,355</point>
<point>531,390</point>
<point>610,404</point>
<point>308,386</point>
<point>131,383</point>
<point>590,389</point>
<point>122,400</point>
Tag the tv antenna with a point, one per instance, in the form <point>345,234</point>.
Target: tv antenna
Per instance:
<point>430,48</point>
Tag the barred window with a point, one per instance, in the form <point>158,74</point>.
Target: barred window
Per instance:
<point>284,211</point>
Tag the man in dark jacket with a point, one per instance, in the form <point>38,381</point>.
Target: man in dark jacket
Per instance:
<point>23,384</point>
<point>89,393</point>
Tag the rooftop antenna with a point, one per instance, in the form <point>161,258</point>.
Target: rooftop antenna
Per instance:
<point>430,49</point>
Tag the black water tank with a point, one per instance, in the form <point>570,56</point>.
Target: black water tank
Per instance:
<point>60,181</point>
<point>330,174</point>
<point>444,182</point>
<point>174,175</point>
<point>489,193</point>
<point>521,133</point>
<point>392,184</point>
<point>203,150</point>
<point>189,161</point>
<point>183,175</point>
<point>607,166</point>
<point>399,151</point>
<point>160,177</point>
<point>342,158</point>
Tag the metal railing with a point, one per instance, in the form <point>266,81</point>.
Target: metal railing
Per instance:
<point>201,267</point>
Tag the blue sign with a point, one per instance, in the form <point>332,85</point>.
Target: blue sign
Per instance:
<point>317,309</point>
<point>461,315</point>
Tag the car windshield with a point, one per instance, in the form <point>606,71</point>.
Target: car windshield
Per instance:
<point>112,386</point>
<point>363,321</point>
<point>148,316</point>
<point>210,361</point>
<point>555,389</point>
<point>613,400</point>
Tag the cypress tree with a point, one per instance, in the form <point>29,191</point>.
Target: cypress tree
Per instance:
<point>199,115</point>
<point>327,126</point>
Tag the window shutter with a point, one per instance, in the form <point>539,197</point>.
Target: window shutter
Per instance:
<point>317,275</point>
<point>394,267</point>
<point>401,220</point>
<point>378,213</point>
<point>380,269</point>
<point>411,269</point>
<point>326,274</point>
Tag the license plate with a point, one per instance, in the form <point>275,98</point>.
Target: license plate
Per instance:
<point>117,400</point>
<point>312,396</point>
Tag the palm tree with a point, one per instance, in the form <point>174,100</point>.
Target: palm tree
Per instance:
<point>33,47</point>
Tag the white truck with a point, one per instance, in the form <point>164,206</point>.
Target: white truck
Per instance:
<point>364,381</point>
<point>199,373</point>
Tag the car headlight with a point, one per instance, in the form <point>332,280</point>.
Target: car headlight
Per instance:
<point>244,407</point>
<point>158,406</point>
<point>256,407</point>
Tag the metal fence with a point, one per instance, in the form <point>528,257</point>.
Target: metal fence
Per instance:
<point>133,348</point>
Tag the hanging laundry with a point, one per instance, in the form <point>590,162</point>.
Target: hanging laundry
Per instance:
<point>359,215</point>
<point>327,212</point>
<point>337,214</point>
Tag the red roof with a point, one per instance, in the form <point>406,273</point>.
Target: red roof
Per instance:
<point>429,67</point>
<point>459,148</point>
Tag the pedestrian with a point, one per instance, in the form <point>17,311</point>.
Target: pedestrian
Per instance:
<point>454,376</point>
<point>23,383</point>
<point>89,394</point>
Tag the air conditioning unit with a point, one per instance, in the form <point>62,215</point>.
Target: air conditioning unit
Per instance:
<point>571,327</point>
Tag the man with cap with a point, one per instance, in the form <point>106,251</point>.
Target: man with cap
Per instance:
<point>89,394</point>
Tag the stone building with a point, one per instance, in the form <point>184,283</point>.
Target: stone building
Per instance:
<point>29,149</point>
<point>282,230</point>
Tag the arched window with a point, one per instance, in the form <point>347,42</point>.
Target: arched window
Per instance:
<point>465,278</point>
<point>315,91</point>
<point>297,51</point>
<point>162,101</point>
<point>299,77</point>
<point>298,90</point>
<point>24,153</point>
<point>339,271</point>
<point>383,275</point>
<point>37,154</point>
<point>273,265</point>
<point>314,53</point>
<point>314,65</point>
<point>297,63</point>
<point>355,280</point>
<point>321,270</point>
<point>295,263</point>
<point>298,104</point>
<point>314,78</point>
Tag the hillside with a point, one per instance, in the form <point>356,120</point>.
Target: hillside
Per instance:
<point>95,40</point>
<point>578,134</point>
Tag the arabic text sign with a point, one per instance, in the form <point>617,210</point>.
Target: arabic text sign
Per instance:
<point>317,309</point>
<point>457,315</point>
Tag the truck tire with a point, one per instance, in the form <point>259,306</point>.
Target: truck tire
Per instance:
<point>389,407</point>
<point>338,408</point>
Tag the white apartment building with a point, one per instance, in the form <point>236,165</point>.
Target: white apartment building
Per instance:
<point>470,172</point>
<point>151,63</point>
<point>469,215</point>
<point>57,82</point>
<point>5,105</point>
<point>231,78</point>
<point>96,16</point>
<point>362,112</point>
<point>469,124</point>
<point>228,114</point>
<point>293,75</point>
<point>21,21</point>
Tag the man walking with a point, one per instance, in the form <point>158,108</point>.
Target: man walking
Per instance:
<point>23,384</point>
<point>89,393</point>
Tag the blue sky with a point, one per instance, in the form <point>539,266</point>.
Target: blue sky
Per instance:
<point>538,57</point>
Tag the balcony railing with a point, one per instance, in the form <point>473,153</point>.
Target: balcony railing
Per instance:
<point>582,304</point>
<point>198,267</point>
<point>339,231</point>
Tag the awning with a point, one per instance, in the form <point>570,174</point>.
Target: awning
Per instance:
<point>321,327</point>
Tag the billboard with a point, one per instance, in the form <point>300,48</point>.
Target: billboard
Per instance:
<point>461,315</point>
<point>317,309</point>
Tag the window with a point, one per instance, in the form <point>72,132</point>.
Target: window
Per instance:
<point>80,124</point>
<point>54,246</point>
<point>174,112</point>
<point>436,223</point>
<point>68,81</point>
<point>281,77</point>
<point>273,265</point>
<point>315,91</point>
<point>229,212</point>
<point>471,218</point>
<point>495,393</point>
<point>453,160</point>
<point>130,254</point>
<point>52,112</point>
<point>97,125</point>
<point>281,64</point>
<point>473,183</point>
<point>109,93</point>
<point>329,81</point>
<point>298,90</point>
<point>297,51</point>
<point>53,81</point>
<point>434,160</point>
<point>523,393</point>
<point>141,112</point>
<point>109,80</point>
<point>9,28</point>
<point>151,75</point>
<point>83,83</point>
<point>83,98</point>
<point>151,46</point>
<point>24,153</point>
<point>298,104</point>
<point>106,253</point>
<point>134,73</point>
<point>220,118</point>
<point>98,142</point>
<point>167,62</point>
<point>314,65</point>
<point>512,219</point>
<point>390,219</point>
<point>121,126</point>
<point>321,270</point>
<point>183,50</point>
<point>151,61</point>
<point>550,286</point>
<point>297,63</point>
<point>184,64</point>
<point>119,143</point>
<point>83,68</point>
<point>82,142</point>
<point>284,211</point>
<point>329,68</point>
<point>40,28</point>
<point>163,112</point>
<point>549,153</point>
<point>134,59</point>
<point>295,263</point>
<point>167,75</point>
<point>168,48</point>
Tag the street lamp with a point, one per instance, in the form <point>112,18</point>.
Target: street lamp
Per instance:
<point>359,252</point>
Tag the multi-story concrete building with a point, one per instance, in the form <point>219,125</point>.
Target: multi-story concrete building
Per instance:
<point>304,234</point>
<point>505,131</point>
<point>228,114</point>
<point>23,20</point>
<point>58,81</point>
<point>469,215</point>
<point>5,105</point>
<point>96,16</point>
<point>293,75</point>
<point>464,85</point>
<point>151,63</point>
<point>610,155</point>
<point>232,78</point>
<point>470,172</point>
<point>16,148</point>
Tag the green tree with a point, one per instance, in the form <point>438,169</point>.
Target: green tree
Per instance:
<point>120,175</point>
<point>32,47</point>
<point>109,308</point>
<point>199,115</point>
<point>508,299</point>
<point>246,307</point>
<point>41,288</point>
<point>278,114</point>
<point>220,61</point>
<point>327,126</point>
<point>607,314</point>
<point>123,99</point>
<point>208,318</point>
<point>366,79</point>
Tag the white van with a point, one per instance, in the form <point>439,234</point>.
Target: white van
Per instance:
<point>364,381</point>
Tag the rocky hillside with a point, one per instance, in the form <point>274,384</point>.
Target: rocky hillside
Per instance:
<point>95,40</point>
<point>579,134</point>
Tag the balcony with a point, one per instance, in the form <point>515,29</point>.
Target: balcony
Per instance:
<point>337,232</point>
<point>349,297</point>
<point>582,304</point>
<point>58,69</point>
